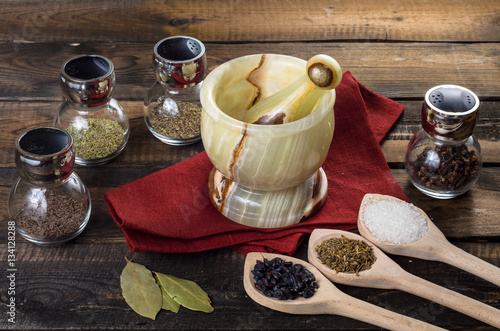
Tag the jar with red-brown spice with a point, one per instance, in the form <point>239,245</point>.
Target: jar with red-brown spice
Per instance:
<point>443,159</point>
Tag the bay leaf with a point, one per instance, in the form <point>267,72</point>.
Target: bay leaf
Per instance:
<point>185,292</point>
<point>168,302</point>
<point>140,290</point>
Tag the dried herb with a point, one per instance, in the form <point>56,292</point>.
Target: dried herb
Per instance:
<point>147,294</point>
<point>346,255</point>
<point>283,280</point>
<point>185,292</point>
<point>140,290</point>
<point>99,138</point>
<point>51,216</point>
<point>168,302</point>
<point>181,123</point>
<point>446,167</point>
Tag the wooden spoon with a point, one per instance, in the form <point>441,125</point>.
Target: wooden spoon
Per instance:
<point>327,300</point>
<point>432,246</point>
<point>387,274</point>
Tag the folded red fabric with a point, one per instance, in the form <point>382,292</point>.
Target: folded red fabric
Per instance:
<point>169,211</point>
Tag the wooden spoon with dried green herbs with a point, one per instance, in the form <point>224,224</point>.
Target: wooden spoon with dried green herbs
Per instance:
<point>384,273</point>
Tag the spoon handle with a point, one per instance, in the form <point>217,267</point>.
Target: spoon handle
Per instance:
<point>459,258</point>
<point>456,301</point>
<point>366,312</point>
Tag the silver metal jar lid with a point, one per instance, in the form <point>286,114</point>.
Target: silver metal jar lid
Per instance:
<point>88,80</point>
<point>45,155</point>
<point>449,112</point>
<point>179,61</point>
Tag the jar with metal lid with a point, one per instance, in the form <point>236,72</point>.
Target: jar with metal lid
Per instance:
<point>96,120</point>
<point>49,204</point>
<point>172,105</point>
<point>444,157</point>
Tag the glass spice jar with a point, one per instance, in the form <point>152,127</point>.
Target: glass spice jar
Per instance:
<point>49,203</point>
<point>172,105</point>
<point>97,121</point>
<point>444,157</point>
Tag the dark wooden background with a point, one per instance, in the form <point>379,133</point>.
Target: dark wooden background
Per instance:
<point>399,49</point>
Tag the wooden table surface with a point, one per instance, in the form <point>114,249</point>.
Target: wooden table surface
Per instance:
<point>399,49</point>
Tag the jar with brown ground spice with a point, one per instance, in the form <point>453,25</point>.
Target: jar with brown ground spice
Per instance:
<point>443,159</point>
<point>172,105</point>
<point>49,204</point>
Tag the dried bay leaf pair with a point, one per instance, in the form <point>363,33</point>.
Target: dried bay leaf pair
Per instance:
<point>147,294</point>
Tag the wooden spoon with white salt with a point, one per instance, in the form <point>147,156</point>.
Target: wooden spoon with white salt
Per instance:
<point>433,245</point>
<point>327,300</point>
<point>387,274</point>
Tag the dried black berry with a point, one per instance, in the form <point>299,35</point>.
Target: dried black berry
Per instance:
<point>260,287</point>
<point>297,268</point>
<point>259,266</point>
<point>283,280</point>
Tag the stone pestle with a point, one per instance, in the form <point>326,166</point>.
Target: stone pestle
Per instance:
<point>298,99</point>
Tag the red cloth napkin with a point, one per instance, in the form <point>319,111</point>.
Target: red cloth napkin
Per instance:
<point>169,211</point>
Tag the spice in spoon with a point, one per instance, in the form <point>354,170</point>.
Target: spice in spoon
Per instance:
<point>283,280</point>
<point>398,222</point>
<point>346,255</point>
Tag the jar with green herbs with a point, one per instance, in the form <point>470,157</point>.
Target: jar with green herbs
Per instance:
<point>172,105</point>
<point>97,122</point>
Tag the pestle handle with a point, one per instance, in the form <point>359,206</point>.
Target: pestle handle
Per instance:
<point>324,72</point>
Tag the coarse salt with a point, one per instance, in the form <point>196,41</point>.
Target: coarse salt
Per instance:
<point>398,222</point>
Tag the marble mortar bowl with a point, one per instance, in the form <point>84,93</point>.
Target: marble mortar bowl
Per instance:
<point>264,176</point>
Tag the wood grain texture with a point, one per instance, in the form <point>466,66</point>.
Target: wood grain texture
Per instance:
<point>81,283</point>
<point>143,147</point>
<point>395,70</point>
<point>470,217</point>
<point>32,95</point>
<point>241,21</point>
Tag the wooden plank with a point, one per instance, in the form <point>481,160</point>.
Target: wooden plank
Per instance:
<point>78,286</point>
<point>469,215</point>
<point>260,20</point>
<point>472,216</point>
<point>142,147</point>
<point>395,151</point>
<point>396,70</point>
<point>395,144</point>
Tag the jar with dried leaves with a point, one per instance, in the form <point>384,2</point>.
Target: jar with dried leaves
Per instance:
<point>49,203</point>
<point>90,113</point>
